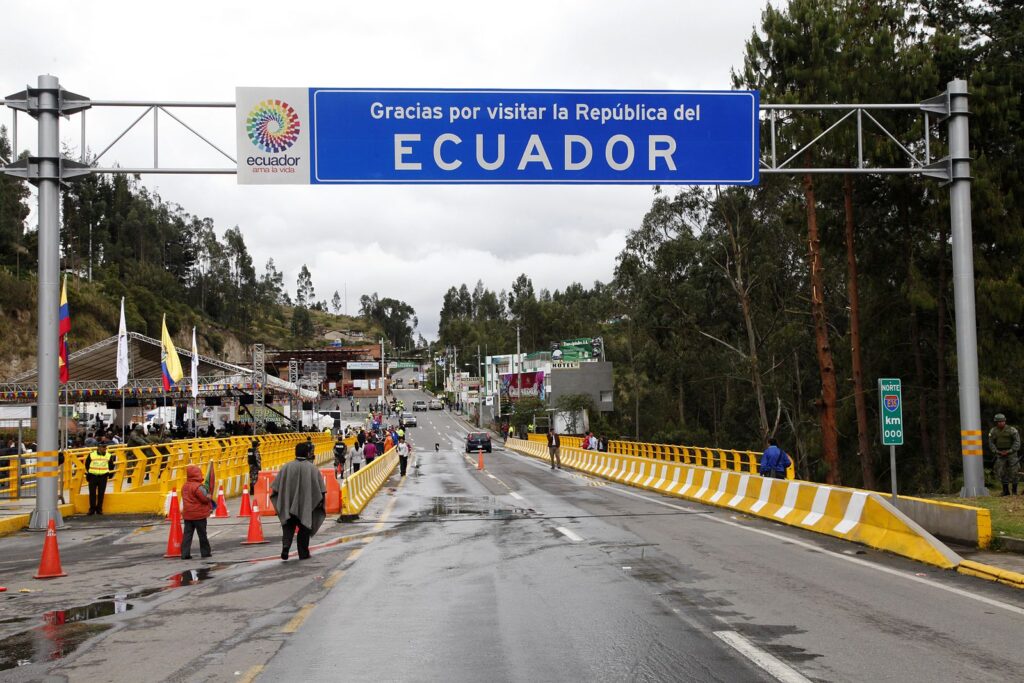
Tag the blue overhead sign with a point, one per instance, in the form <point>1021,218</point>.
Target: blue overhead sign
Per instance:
<point>332,135</point>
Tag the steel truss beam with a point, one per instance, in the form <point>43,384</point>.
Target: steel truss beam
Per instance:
<point>48,102</point>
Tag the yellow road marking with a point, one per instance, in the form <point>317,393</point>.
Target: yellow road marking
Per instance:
<point>354,554</point>
<point>251,674</point>
<point>333,578</point>
<point>296,621</point>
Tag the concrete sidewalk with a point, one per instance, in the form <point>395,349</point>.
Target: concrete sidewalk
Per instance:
<point>122,555</point>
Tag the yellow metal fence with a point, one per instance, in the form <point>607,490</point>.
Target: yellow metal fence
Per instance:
<point>156,469</point>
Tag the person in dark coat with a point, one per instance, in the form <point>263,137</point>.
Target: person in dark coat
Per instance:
<point>298,493</point>
<point>255,465</point>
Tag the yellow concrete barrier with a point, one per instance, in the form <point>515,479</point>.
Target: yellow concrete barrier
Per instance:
<point>990,573</point>
<point>360,488</point>
<point>719,458</point>
<point>851,514</point>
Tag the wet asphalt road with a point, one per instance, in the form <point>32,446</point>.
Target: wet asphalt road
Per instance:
<point>519,573</point>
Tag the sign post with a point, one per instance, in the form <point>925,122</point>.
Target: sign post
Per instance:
<point>890,409</point>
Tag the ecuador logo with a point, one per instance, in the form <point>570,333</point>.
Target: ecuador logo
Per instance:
<point>273,126</point>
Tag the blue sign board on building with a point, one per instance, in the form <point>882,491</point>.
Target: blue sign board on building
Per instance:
<point>533,136</point>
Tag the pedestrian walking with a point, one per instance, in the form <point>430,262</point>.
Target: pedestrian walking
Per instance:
<point>369,452</point>
<point>774,461</point>
<point>99,465</point>
<point>340,449</point>
<point>554,444</point>
<point>255,465</point>
<point>357,458</point>
<point>1004,442</point>
<point>602,444</point>
<point>196,506</point>
<point>298,493</point>
<point>403,455</point>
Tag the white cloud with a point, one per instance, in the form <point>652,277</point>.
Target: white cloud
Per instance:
<point>408,242</point>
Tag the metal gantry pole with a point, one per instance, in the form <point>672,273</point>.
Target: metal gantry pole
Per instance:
<point>963,292</point>
<point>49,295</point>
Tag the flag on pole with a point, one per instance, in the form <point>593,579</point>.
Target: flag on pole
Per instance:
<point>195,366</point>
<point>170,364</point>
<point>122,351</point>
<point>64,327</point>
<point>210,484</point>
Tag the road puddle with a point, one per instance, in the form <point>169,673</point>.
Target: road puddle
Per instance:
<point>485,507</point>
<point>60,634</point>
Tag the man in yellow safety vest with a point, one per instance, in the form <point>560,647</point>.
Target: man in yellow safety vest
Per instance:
<point>99,464</point>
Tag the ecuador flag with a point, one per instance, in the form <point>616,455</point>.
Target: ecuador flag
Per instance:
<point>169,362</point>
<point>64,327</point>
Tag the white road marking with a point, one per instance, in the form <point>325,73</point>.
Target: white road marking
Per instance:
<point>775,667</point>
<point>515,495</point>
<point>568,534</point>
<point>491,475</point>
<point>831,553</point>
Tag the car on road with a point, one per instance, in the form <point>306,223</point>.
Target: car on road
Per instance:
<point>476,441</point>
<point>436,405</point>
<point>419,405</point>
<point>407,420</point>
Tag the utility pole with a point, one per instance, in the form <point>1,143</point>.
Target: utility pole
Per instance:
<point>479,392</point>
<point>519,373</point>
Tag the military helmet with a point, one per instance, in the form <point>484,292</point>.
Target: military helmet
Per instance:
<point>999,417</point>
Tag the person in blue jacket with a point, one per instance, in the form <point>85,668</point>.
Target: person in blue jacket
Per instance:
<point>774,461</point>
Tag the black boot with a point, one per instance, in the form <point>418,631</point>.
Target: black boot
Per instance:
<point>1006,489</point>
<point>1014,488</point>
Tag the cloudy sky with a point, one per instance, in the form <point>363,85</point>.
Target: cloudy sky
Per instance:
<point>408,242</point>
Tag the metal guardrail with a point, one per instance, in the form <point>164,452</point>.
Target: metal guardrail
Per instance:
<point>156,467</point>
<point>702,456</point>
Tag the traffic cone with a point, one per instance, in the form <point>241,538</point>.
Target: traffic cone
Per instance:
<point>174,537</point>
<point>222,505</point>
<point>173,508</point>
<point>255,536</point>
<point>49,565</point>
<point>246,508</point>
<point>480,459</point>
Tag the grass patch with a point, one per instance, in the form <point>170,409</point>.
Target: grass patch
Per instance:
<point>1007,512</point>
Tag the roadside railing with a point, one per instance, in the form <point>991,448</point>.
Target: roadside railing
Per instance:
<point>158,467</point>
<point>702,456</point>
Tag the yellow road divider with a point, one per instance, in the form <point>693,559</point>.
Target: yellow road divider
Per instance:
<point>360,488</point>
<point>990,573</point>
<point>851,514</point>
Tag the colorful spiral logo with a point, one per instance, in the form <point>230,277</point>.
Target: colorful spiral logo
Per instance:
<point>273,125</point>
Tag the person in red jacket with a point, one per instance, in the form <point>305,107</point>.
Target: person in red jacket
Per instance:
<point>196,506</point>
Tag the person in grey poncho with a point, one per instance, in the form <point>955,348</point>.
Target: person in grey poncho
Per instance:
<point>297,493</point>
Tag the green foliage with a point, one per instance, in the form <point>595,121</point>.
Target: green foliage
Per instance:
<point>575,405</point>
<point>526,411</point>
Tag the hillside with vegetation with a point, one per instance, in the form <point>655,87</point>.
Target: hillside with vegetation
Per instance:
<point>118,240</point>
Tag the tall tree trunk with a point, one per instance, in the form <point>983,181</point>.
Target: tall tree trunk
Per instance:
<point>915,346</point>
<point>826,368</point>
<point>942,455</point>
<point>863,443</point>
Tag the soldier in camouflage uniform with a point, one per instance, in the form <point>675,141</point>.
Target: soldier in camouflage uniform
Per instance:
<point>1004,442</point>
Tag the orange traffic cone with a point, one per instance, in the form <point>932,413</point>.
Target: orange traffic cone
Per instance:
<point>246,508</point>
<point>49,565</point>
<point>480,460</point>
<point>173,508</point>
<point>174,537</point>
<point>255,536</point>
<point>222,505</point>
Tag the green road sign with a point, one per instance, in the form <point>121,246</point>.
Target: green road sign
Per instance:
<point>890,409</point>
